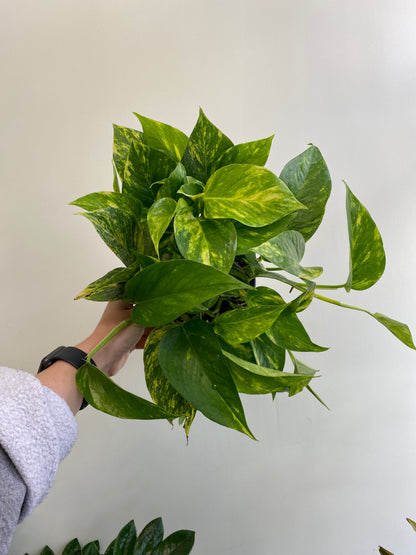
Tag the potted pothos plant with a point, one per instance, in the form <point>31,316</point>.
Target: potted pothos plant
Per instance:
<point>195,222</point>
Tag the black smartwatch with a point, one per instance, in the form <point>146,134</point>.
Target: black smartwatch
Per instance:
<point>72,355</point>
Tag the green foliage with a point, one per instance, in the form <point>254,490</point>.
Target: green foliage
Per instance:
<point>149,542</point>
<point>195,221</point>
<point>384,551</point>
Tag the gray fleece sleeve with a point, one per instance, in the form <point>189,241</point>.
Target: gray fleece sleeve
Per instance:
<point>37,431</point>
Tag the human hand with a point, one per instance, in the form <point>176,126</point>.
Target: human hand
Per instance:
<point>112,357</point>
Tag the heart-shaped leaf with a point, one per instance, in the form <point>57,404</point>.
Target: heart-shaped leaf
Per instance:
<point>367,257</point>
<point>308,178</point>
<point>249,194</point>
<point>244,324</point>
<point>95,201</point>
<point>192,360</point>
<point>286,251</point>
<point>166,290</point>
<point>254,152</point>
<point>109,287</point>
<point>105,395</point>
<point>207,241</point>
<point>288,332</point>
<point>163,137</point>
<point>206,144</point>
<point>123,137</point>
<point>248,238</point>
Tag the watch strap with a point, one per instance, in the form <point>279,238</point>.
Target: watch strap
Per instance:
<point>74,356</point>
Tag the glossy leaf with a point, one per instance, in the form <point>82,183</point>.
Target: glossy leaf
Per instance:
<point>308,178</point>
<point>178,543</point>
<point>160,389</point>
<point>303,300</point>
<point>119,230</point>
<point>104,394</point>
<point>192,360</point>
<point>72,548</point>
<point>159,217</point>
<point>286,251</point>
<point>109,287</point>
<point>166,290</point>
<point>110,548</point>
<point>209,242</point>
<point>163,137</point>
<point>92,548</point>
<point>123,137</point>
<point>288,332</point>
<point>268,353</point>
<point>191,188</point>
<point>95,201</point>
<point>244,324</point>
<point>254,379</point>
<point>149,537</point>
<point>249,194</point>
<point>367,257</point>
<point>144,166</point>
<point>261,296</point>
<point>126,539</point>
<point>46,551</point>
<point>254,152</point>
<point>250,237</point>
<point>400,330</point>
<point>206,144</point>
<point>170,185</point>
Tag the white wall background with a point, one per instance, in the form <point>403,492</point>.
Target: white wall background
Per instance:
<point>339,74</point>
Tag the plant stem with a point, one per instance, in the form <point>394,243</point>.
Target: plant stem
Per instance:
<point>302,287</point>
<point>317,286</point>
<point>107,338</point>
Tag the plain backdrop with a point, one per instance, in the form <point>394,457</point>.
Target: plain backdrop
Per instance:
<point>340,75</point>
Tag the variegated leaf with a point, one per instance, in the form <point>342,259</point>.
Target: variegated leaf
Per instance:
<point>249,194</point>
<point>286,251</point>
<point>163,137</point>
<point>207,241</point>
<point>105,395</point>
<point>206,144</point>
<point>244,324</point>
<point>254,152</point>
<point>119,230</point>
<point>257,380</point>
<point>367,257</point>
<point>144,166</point>
<point>109,287</point>
<point>308,178</point>
<point>95,201</point>
<point>123,137</point>
<point>159,217</point>
<point>169,186</point>
<point>192,360</point>
<point>160,389</point>
<point>251,237</point>
<point>400,330</point>
<point>268,353</point>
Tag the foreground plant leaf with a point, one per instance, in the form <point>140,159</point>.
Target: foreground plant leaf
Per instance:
<point>205,145</point>
<point>126,539</point>
<point>178,543</point>
<point>268,353</point>
<point>95,201</point>
<point>166,290</point>
<point>286,251</point>
<point>106,396</point>
<point>210,242</point>
<point>367,257</point>
<point>308,178</point>
<point>248,238</point>
<point>160,389</point>
<point>92,548</point>
<point>249,194</point>
<point>149,537</point>
<point>72,548</point>
<point>192,360</point>
<point>254,379</point>
<point>288,332</point>
<point>400,330</point>
<point>163,137</point>
<point>123,137</point>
